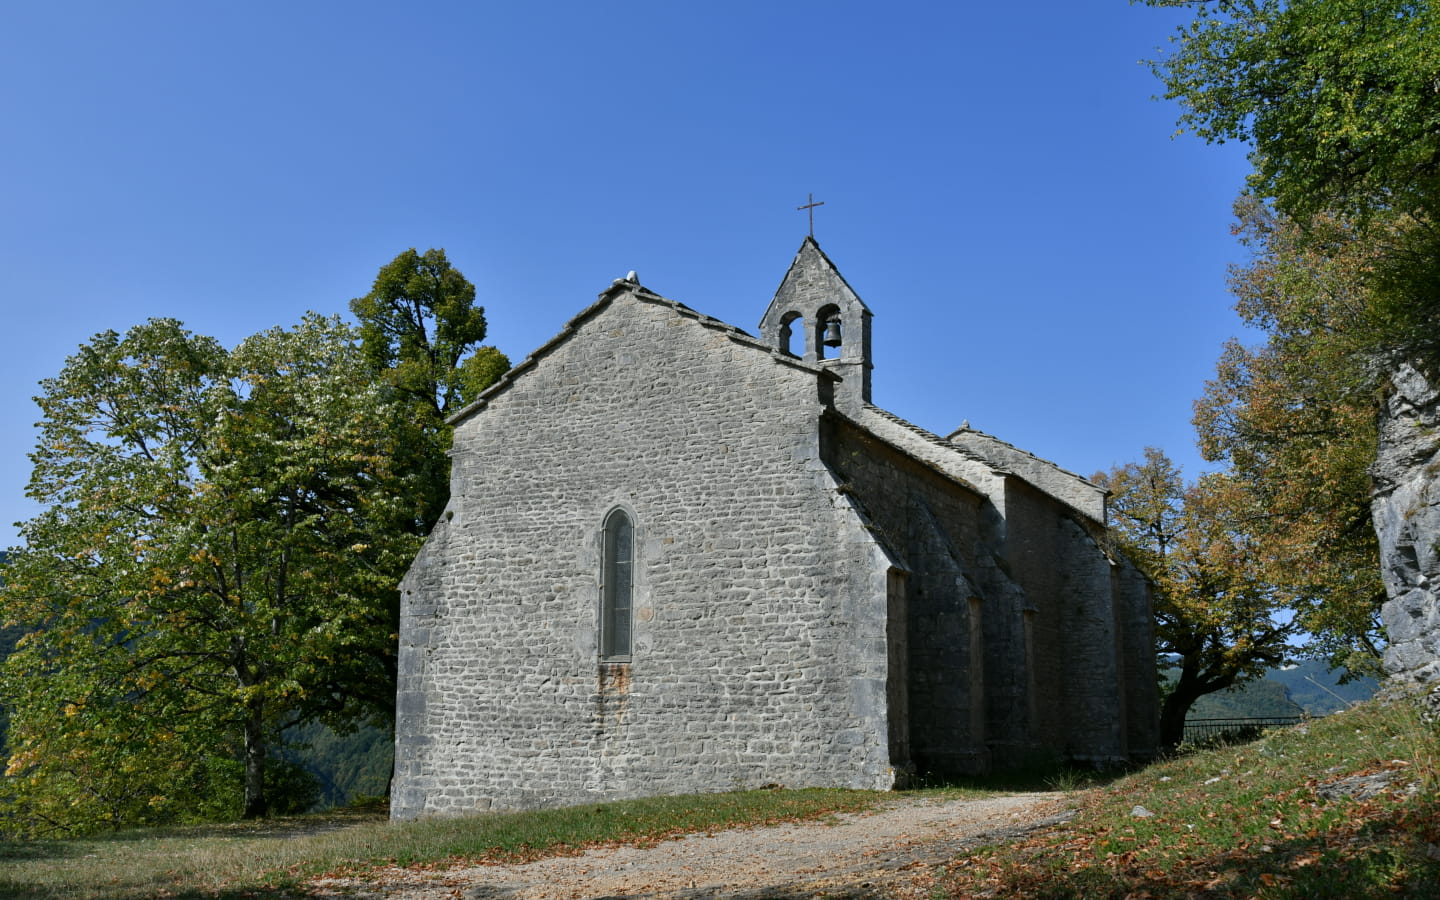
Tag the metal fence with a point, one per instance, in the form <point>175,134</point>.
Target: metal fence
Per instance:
<point>1201,730</point>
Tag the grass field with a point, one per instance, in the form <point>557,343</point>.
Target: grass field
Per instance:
<point>272,858</point>
<point>1343,807</point>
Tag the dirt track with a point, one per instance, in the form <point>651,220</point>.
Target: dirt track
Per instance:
<point>859,855</point>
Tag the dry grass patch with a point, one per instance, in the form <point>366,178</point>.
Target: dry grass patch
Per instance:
<point>275,857</point>
<point>1343,807</point>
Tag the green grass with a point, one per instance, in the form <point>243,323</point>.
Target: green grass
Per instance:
<point>1245,821</point>
<point>1237,821</point>
<point>272,858</point>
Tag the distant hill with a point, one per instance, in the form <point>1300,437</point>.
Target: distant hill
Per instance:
<point>1309,688</point>
<point>347,767</point>
<point>1317,690</point>
<point>1265,697</point>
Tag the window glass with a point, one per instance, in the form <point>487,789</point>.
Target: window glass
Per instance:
<point>617,582</point>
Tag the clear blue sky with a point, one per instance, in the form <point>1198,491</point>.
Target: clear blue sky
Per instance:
<point>999,185</point>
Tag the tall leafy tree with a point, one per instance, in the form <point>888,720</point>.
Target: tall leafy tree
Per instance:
<point>1295,419</point>
<point>1339,103</point>
<point>417,324</point>
<point>1217,620</point>
<point>421,331</point>
<point>218,528</point>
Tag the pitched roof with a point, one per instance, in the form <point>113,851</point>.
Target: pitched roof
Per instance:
<point>1049,478</point>
<point>621,286</point>
<point>971,458</point>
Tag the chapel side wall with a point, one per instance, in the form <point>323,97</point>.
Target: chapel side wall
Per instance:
<point>1135,614</point>
<point>1067,579</point>
<point>1031,555</point>
<point>938,527</point>
<point>757,657</point>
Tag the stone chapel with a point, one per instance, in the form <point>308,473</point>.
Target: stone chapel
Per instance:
<point>680,558</point>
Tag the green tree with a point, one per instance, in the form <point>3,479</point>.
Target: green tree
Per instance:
<point>420,331</point>
<point>1338,99</point>
<point>416,325</point>
<point>1339,103</point>
<point>1218,624</point>
<point>480,370</point>
<point>209,568</point>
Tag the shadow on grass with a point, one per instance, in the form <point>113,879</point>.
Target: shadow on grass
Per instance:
<point>278,827</point>
<point>15,891</point>
<point>1036,774</point>
<point>13,851</point>
<point>1046,772</point>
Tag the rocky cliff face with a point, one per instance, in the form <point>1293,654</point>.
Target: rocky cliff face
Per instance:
<point>1406,508</point>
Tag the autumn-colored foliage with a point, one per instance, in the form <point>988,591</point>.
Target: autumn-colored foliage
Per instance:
<point>1295,420</point>
<point>1338,103</point>
<point>1218,621</point>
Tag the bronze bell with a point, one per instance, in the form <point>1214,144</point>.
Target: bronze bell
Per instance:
<point>832,334</point>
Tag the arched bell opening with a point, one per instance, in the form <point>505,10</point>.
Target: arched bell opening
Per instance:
<point>787,330</point>
<point>829,334</point>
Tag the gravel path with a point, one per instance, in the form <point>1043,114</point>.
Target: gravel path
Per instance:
<point>849,855</point>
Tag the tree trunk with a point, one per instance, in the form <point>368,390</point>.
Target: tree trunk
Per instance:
<point>1172,717</point>
<point>1188,689</point>
<point>256,806</point>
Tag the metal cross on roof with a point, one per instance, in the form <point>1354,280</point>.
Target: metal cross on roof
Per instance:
<point>811,207</point>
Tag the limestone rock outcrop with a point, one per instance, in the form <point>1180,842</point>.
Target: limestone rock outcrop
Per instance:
<point>1406,509</point>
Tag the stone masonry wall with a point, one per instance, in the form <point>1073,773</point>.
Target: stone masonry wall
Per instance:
<point>1135,615</point>
<point>1051,604</point>
<point>1067,581</point>
<point>939,526</point>
<point>1097,710</point>
<point>757,657</point>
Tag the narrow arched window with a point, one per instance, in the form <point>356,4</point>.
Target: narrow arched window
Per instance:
<point>617,579</point>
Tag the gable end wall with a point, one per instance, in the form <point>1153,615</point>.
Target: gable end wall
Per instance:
<point>758,657</point>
